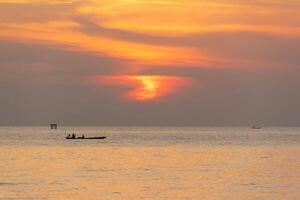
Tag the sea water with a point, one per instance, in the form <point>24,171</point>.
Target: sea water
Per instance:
<point>135,163</point>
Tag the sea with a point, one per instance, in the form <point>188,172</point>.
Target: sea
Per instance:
<point>150,163</point>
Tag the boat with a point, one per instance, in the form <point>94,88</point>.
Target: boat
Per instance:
<point>86,138</point>
<point>256,127</point>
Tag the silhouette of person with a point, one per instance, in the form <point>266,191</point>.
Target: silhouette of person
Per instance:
<point>83,136</point>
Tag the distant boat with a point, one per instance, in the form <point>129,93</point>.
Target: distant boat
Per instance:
<point>85,138</point>
<point>256,127</point>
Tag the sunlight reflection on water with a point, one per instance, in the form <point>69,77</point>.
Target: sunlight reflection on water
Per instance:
<point>150,163</point>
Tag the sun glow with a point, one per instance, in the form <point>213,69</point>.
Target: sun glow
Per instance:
<point>146,87</point>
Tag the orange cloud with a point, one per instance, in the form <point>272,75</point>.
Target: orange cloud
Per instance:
<point>178,18</point>
<point>146,87</point>
<point>163,18</point>
<point>137,54</point>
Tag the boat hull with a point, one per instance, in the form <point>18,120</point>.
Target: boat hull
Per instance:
<point>86,138</point>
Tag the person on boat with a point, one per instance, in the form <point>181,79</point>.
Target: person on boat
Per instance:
<point>83,136</point>
<point>73,136</point>
<point>69,136</point>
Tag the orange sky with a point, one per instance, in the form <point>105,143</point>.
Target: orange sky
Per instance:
<point>158,34</point>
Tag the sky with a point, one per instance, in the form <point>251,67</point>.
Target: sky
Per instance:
<point>150,62</point>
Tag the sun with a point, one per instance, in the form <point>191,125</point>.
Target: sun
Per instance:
<point>146,88</point>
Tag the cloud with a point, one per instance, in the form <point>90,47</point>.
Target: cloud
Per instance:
<point>137,54</point>
<point>97,28</point>
<point>36,11</point>
<point>43,64</point>
<point>181,18</point>
<point>242,49</point>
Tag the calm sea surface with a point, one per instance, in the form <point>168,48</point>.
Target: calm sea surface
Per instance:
<point>150,163</point>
